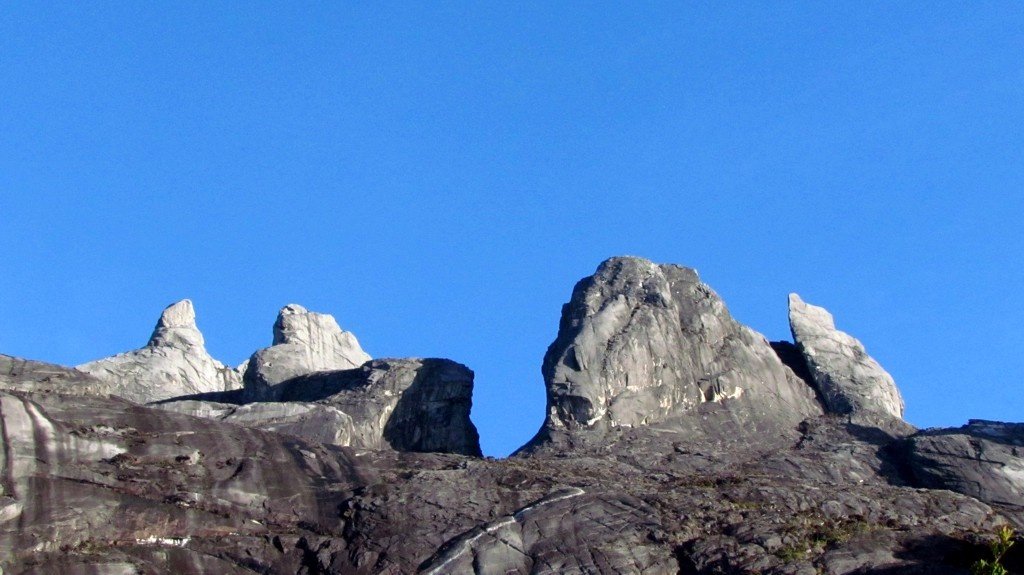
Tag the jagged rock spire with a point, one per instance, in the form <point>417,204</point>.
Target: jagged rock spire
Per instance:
<point>173,363</point>
<point>850,381</point>
<point>177,327</point>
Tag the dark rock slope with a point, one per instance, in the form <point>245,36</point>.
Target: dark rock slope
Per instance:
<point>650,462</point>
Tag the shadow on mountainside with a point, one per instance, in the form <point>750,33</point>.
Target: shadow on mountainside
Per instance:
<point>939,554</point>
<point>432,414</point>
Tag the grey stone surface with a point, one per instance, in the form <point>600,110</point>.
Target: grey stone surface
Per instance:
<point>90,482</point>
<point>18,374</point>
<point>174,362</point>
<point>983,459</point>
<point>640,343</point>
<point>304,342</point>
<point>616,526</point>
<point>849,380</point>
<point>313,421</point>
<point>710,481</point>
<point>402,404</point>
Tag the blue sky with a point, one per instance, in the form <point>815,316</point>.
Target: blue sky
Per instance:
<point>438,176</point>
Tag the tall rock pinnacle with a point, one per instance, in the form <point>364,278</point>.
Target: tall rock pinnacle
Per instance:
<point>174,362</point>
<point>304,342</point>
<point>640,343</point>
<point>850,381</point>
<point>177,327</point>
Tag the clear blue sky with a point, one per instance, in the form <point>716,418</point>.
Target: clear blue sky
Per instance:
<point>438,176</point>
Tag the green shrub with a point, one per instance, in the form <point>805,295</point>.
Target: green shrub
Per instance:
<point>999,547</point>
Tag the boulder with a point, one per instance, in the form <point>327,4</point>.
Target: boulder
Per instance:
<point>848,379</point>
<point>304,342</point>
<point>983,459</point>
<point>640,343</point>
<point>174,362</point>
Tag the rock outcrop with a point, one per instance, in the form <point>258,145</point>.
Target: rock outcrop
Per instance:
<point>94,484</point>
<point>174,362</point>
<point>18,374</point>
<point>312,421</point>
<point>401,404</point>
<point>983,459</point>
<point>677,441</point>
<point>640,343</point>
<point>849,380</point>
<point>304,342</point>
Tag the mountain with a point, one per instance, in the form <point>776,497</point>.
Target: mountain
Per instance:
<point>676,440</point>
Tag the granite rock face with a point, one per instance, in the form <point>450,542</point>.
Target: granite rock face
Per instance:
<point>100,485</point>
<point>709,480</point>
<point>983,459</point>
<point>312,421</point>
<point>18,374</point>
<point>849,380</point>
<point>640,343</point>
<point>304,342</point>
<point>174,362</point>
<point>401,404</point>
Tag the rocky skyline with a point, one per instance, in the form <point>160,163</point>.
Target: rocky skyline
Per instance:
<point>676,440</point>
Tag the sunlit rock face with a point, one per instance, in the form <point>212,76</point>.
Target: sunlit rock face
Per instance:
<point>849,380</point>
<point>174,362</point>
<point>304,342</point>
<point>677,441</point>
<point>639,343</point>
<point>407,404</point>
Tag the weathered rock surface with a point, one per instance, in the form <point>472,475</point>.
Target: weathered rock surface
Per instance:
<point>18,374</point>
<point>304,342</point>
<point>174,362</point>
<point>403,404</point>
<point>90,484</point>
<point>640,343</point>
<point>711,481</point>
<point>983,459</point>
<point>849,380</point>
<point>312,421</point>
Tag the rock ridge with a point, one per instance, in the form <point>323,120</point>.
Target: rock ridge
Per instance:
<point>677,441</point>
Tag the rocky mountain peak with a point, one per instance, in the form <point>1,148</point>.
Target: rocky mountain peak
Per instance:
<point>641,343</point>
<point>304,342</point>
<point>173,363</point>
<point>177,326</point>
<point>676,441</point>
<point>849,380</point>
